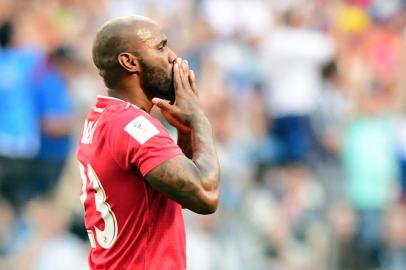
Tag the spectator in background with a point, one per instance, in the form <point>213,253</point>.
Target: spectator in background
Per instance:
<point>294,56</point>
<point>371,170</point>
<point>19,131</point>
<point>55,112</point>
<point>334,108</point>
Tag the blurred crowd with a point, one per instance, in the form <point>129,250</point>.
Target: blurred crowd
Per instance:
<point>307,99</point>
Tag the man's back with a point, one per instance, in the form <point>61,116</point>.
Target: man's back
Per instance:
<point>130,225</point>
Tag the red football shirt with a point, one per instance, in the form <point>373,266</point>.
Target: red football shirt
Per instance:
<point>130,225</point>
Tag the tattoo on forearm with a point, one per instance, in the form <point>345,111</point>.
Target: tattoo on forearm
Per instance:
<point>185,143</point>
<point>204,152</point>
<point>175,172</point>
<point>192,181</point>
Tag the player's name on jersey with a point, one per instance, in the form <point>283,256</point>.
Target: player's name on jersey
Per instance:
<point>88,131</point>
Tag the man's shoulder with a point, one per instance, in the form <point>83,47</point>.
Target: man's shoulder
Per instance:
<point>133,121</point>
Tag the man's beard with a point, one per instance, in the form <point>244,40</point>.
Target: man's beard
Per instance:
<point>156,82</point>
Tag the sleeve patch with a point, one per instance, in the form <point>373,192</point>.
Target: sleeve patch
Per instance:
<point>141,129</point>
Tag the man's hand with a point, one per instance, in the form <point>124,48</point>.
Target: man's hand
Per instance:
<point>187,106</point>
<point>191,179</point>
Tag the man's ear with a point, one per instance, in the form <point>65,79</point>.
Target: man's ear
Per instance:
<point>129,62</point>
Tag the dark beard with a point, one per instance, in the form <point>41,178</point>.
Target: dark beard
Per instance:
<point>156,82</point>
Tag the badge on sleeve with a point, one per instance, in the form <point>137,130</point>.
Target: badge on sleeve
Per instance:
<point>141,129</point>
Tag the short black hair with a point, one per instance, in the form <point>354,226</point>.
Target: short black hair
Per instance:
<point>106,48</point>
<point>110,41</point>
<point>330,69</point>
<point>114,37</point>
<point>6,31</point>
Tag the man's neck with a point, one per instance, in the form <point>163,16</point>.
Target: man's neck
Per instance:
<point>137,98</point>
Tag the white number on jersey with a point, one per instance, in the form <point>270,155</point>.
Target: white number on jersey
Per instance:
<point>108,236</point>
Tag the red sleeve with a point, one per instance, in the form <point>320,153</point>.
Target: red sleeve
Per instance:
<point>137,139</point>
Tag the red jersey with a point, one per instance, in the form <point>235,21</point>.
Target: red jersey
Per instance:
<point>130,224</point>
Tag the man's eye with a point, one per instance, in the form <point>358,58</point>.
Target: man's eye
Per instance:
<point>162,46</point>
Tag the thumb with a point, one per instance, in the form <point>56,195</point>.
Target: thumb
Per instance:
<point>161,103</point>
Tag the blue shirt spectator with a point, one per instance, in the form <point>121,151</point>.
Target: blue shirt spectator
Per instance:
<point>54,105</point>
<point>19,130</point>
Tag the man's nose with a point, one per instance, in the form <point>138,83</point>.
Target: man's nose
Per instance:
<point>172,56</point>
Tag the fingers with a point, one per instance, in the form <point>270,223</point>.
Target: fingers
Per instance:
<point>176,75</point>
<point>184,68</point>
<point>162,104</point>
<point>184,78</point>
<point>192,81</point>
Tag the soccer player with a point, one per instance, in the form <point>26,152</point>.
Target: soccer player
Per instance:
<point>136,179</point>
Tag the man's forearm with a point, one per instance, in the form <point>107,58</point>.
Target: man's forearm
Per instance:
<point>185,143</point>
<point>191,179</point>
<point>204,151</point>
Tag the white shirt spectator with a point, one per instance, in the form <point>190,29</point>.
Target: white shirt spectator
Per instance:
<point>293,58</point>
<point>227,17</point>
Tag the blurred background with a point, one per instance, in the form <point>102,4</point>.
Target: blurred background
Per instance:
<point>308,104</point>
